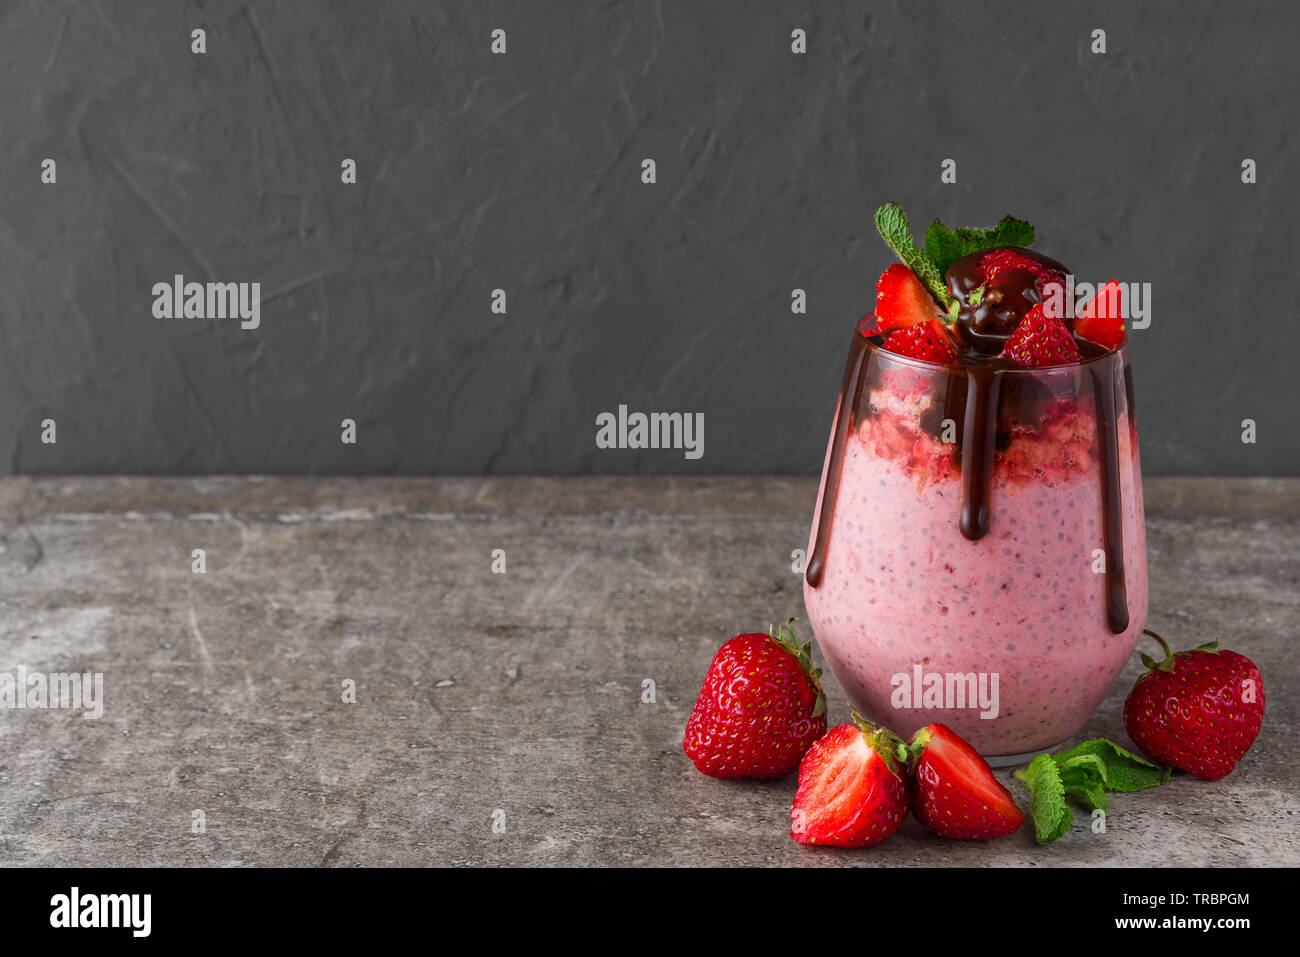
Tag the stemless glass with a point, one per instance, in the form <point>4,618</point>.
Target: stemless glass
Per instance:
<point>978,550</point>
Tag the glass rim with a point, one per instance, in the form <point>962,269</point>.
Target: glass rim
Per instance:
<point>931,366</point>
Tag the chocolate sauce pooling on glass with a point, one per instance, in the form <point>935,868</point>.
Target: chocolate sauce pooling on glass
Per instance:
<point>989,404</point>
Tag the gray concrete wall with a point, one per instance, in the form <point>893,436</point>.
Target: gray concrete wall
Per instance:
<point>523,172</point>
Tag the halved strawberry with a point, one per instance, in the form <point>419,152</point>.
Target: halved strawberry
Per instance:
<point>1102,320</point>
<point>901,300</point>
<point>954,792</point>
<point>1041,340</point>
<point>928,340</point>
<point>851,792</point>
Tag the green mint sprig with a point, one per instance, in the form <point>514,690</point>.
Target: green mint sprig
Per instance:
<point>1052,818</point>
<point>944,246</point>
<point>1085,774</point>
<point>897,234</point>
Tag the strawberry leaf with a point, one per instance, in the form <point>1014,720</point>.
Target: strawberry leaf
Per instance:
<point>1167,664</point>
<point>786,638</point>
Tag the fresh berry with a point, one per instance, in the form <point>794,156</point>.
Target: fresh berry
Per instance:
<point>929,341</point>
<point>954,792</point>
<point>761,707</point>
<point>993,264</point>
<point>1041,340</point>
<point>851,792</point>
<point>901,300</point>
<point>997,262</point>
<point>1101,319</point>
<point>1046,284</point>
<point>1198,710</point>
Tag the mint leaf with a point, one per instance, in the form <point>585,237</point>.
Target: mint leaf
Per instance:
<point>1084,773</point>
<point>944,246</point>
<point>1120,770</point>
<point>1090,794</point>
<point>1083,778</point>
<point>1047,799</point>
<point>894,229</point>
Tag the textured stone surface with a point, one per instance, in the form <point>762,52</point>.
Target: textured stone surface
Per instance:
<point>523,172</point>
<point>519,692</point>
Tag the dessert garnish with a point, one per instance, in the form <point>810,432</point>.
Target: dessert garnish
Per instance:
<point>1084,774</point>
<point>994,300</point>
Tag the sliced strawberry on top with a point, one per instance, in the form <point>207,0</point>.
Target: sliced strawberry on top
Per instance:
<point>901,300</point>
<point>929,341</point>
<point>999,266</point>
<point>1101,320</point>
<point>954,792</point>
<point>1041,340</point>
<point>851,792</point>
<point>998,261</point>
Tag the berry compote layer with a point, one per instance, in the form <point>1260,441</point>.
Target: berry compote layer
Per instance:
<point>980,520</point>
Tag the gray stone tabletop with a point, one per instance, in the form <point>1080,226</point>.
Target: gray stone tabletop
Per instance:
<point>498,717</point>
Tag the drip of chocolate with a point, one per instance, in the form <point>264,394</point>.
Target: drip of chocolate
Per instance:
<point>979,434</point>
<point>1112,508</point>
<point>854,375</point>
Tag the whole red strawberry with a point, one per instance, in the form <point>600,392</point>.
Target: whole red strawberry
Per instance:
<point>759,710</point>
<point>954,792</point>
<point>1198,710</point>
<point>851,792</point>
<point>1041,340</point>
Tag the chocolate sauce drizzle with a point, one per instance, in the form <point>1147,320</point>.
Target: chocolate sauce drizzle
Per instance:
<point>978,435</point>
<point>854,374</point>
<point>1112,508</point>
<point>989,405</point>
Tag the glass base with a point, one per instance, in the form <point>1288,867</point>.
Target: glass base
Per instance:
<point>1011,760</point>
